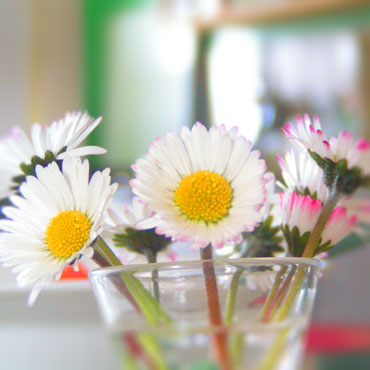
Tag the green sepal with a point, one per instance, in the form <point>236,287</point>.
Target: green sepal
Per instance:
<point>297,242</point>
<point>35,160</point>
<point>60,151</point>
<point>306,192</point>
<point>27,169</point>
<point>18,180</point>
<point>323,248</point>
<point>30,169</point>
<point>264,241</point>
<point>337,174</point>
<point>145,242</point>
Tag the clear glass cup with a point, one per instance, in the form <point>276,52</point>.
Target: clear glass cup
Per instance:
<point>218,314</point>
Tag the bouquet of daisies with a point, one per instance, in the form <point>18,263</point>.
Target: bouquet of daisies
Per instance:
<point>206,187</point>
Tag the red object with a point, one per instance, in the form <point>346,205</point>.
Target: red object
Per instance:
<point>70,274</point>
<point>338,338</point>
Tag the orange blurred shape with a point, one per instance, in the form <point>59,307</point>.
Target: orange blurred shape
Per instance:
<point>70,274</point>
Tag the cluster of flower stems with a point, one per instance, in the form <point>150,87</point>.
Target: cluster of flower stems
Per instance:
<point>275,309</point>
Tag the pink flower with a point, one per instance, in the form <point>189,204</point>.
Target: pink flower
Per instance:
<point>303,212</point>
<point>339,225</point>
<point>301,172</point>
<point>356,152</point>
<point>307,135</point>
<point>299,210</point>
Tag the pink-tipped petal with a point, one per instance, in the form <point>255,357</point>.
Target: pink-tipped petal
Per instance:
<point>363,144</point>
<point>326,144</point>
<point>346,135</point>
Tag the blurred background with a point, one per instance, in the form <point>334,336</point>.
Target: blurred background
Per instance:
<point>150,66</point>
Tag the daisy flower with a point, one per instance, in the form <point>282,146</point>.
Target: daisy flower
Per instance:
<point>205,186</point>
<point>54,221</point>
<point>308,135</point>
<point>134,244</point>
<point>19,153</point>
<point>356,152</point>
<point>301,213</point>
<point>301,174</point>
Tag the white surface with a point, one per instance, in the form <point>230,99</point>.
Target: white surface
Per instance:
<point>63,331</point>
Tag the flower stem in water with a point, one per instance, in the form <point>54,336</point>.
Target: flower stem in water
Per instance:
<point>214,311</point>
<point>152,258</point>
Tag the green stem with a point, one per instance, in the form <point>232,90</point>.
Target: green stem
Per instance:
<point>104,249</point>
<point>153,350</point>
<point>326,211</point>
<point>237,342</point>
<point>214,311</point>
<point>233,291</point>
<point>100,259</point>
<point>129,357</point>
<point>231,297</point>
<point>150,308</point>
<point>152,258</point>
<point>264,315</point>
<point>238,346</point>
<point>275,352</point>
<point>294,288</point>
<point>136,293</point>
<point>309,250</point>
<point>273,355</point>
<point>276,304</point>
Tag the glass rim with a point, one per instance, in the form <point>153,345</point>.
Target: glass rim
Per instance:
<point>177,265</point>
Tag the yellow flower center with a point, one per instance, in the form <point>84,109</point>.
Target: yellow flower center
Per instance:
<point>204,196</point>
<point>67,233</point>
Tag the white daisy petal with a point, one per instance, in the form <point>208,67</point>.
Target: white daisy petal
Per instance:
<point>49,225</point>
<point>225,175</point>
<point>300,172</point>
<point>62,138</point>
<point>135,216</point>
<point>82,152</point>
<point>309,136</point>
